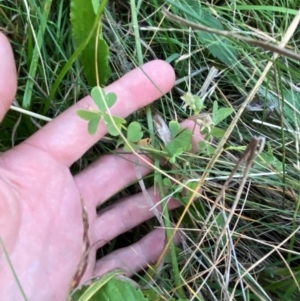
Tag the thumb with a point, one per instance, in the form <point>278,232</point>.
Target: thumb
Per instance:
<point>8,76</point>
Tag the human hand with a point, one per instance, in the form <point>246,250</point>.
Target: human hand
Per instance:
<point>40,200</point>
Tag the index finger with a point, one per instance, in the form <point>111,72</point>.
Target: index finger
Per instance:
<point>66,137</point>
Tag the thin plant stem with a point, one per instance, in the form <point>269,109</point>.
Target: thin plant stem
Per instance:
<point>13,270</point>
<point>157,174</point>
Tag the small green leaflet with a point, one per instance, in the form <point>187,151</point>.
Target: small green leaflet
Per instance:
<point>220,114</point>
<point>111,128</point>
<point>93,125</point>
<point>102,100</point>
<point>181,143</point>
<point>87,115</point>
<point>93,117</point>
<point>174,149</point>
<point>134,132</point>
<point>174,128</point>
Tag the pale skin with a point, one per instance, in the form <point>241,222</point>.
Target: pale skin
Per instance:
<point>40,210</point>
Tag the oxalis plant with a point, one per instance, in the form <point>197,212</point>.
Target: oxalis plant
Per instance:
<point>178,141</point>
<point>207,121</point>
<point>85,17</point>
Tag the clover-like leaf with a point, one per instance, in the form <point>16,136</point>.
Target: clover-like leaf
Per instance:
<point>134,132</point>
<point>202,145</point>
<point>102,100</point>
<point>111,99</point>
<point>87,115</point>
<point>167,182</point>
<point>93,124</point>
<point>98,95</point>
<point>114,129</point>
<point>174,127</point>
<point>174,149</point>
<point>185,139</point>
<point>221,114</point>
<point>210,150</point>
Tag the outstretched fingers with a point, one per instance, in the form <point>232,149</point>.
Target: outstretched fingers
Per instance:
<point>108,175</point>
<point>66,137</point>
<point>135,257</point>
<point>125,215</point>
<point>111,173</point>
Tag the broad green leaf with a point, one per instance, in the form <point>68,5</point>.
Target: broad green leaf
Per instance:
<point>174,127</point>
<point>118,290</point>
<point>134,132</point>
<point>89,293</point>
<point>95,4</point>
<point>86,115</point>
<point>111,128</point>
<point>220,47</point>
<point>222,114</point>
<point>83,18</point>
<point>93,125</point>
<point>102,100</point>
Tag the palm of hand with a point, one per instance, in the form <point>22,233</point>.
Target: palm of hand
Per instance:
<point>42,228</point>
<point>40,201</point>
<point>48,240</point>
